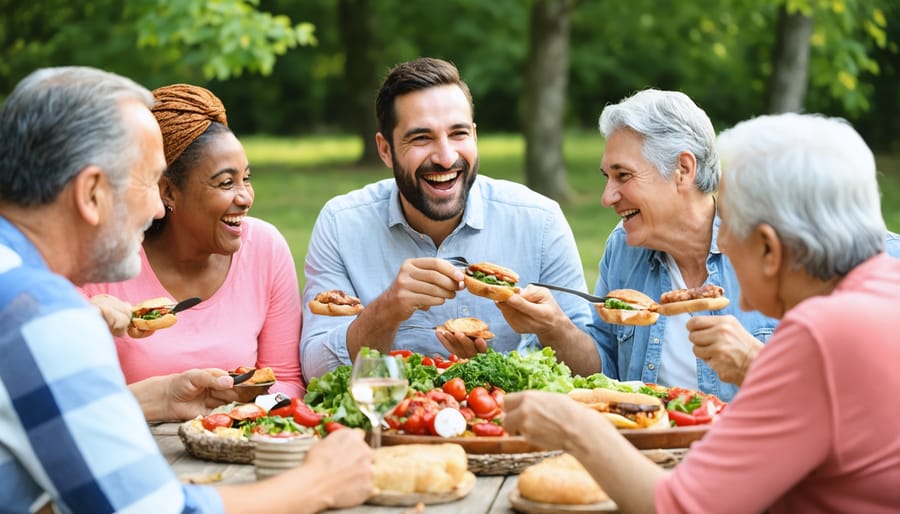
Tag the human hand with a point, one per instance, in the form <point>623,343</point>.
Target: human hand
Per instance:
<point>460,344</point>
<point>724,344</point>
<point>552,420</point>
<point>423,283</point>
<point>117,314</point>
<point>194,392</point>
<point>533,311</point>
<point>345,456</point>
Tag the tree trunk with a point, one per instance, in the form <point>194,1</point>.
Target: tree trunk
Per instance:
<point>546,75</point>
<point>790,62</point>
<point>361,73</point>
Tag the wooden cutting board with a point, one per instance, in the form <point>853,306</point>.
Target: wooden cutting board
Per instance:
<point>648,439</point>
<point>395,499</point>
<point>476,445</point>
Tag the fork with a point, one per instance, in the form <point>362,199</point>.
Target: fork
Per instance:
<point>458,260</point>
<point>588,297</point>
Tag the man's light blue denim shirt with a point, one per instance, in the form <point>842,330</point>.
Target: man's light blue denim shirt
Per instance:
<point>634,352</point>
<point>360,239</point>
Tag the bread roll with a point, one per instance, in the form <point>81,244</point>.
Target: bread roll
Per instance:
<point>420,468</point>
<point>560,480</point>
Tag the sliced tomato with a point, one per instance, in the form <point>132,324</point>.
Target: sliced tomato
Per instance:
<point>442,399</point>
<point>214,421</point>
<point>401,408</point>
<point>401,353</point>
<point>488,429</point>
<point>427,361</point>
<point>331,426</point>
<point>247,411</point>
<point>444,364</point>
<point>467,413</point>
<point>303,413</point>
<point>682,419</point>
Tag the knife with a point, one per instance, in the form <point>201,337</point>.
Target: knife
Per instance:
<point>187,303</point>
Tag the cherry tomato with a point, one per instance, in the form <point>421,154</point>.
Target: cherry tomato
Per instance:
<point>414,425</point>
<point>499,396</point>
<point>393,422</point>
<point>481,401</point>
<point>427,361</point>
<point>456,388</point>
<point>453,357</point>
<point>213,421</point>
<point>401,353</point>
<point>331,426</point>
<point>488,429</point>
<point>682,419</point>
<point>428,421</point>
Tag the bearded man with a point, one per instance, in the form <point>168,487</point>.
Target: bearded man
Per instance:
<point>388,243</point>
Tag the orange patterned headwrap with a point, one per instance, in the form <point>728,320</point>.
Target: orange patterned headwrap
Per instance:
<point>184,112</point>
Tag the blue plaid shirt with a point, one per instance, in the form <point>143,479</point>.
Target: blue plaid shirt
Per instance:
<point>70,430</point>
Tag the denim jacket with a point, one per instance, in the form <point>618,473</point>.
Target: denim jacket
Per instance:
<point>634,352</point>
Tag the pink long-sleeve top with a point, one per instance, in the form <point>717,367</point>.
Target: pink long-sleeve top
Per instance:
<point>816,425</point>
<point>252,320</point>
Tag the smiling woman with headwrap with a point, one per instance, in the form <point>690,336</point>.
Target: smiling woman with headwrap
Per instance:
<point>205,245</point>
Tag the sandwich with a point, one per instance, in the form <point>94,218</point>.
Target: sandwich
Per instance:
<point>335,303</point>
<point>625,410</point>
<point>153,314</point>
<point>491,281</point>
<point>706,298</point>
<point>627,307</point>
<point>471,327</point>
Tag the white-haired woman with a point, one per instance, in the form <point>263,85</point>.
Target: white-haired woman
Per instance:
<point>814,427</point>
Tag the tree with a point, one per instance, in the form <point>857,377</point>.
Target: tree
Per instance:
<point>546,72</point>
<point>790,62</point>
<point>357,34</point>
<point>223,37</point>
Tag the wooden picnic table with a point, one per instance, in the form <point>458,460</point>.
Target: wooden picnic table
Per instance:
<point>490,495</point>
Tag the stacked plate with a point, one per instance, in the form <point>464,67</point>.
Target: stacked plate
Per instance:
<point>274,455</point>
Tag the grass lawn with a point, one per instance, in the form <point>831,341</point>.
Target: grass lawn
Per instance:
<point>294,177</point>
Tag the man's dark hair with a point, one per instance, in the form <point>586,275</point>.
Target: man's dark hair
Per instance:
<point>415,75</point>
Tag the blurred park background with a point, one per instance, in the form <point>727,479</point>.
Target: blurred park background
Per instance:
<point>298,78</point>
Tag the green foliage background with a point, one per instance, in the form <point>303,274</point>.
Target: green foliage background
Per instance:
<point>280,68</point>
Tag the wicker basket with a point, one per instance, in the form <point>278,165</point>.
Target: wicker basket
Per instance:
<point>207,446</point>
<point>505,463</point>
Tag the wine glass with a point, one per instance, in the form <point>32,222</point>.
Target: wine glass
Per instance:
<point>377,385</point>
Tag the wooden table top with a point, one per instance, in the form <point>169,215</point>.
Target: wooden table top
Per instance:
<point>490,495</point>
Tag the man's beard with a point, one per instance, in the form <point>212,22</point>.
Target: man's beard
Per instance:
<point>115,254</point>
<point>410,186</point>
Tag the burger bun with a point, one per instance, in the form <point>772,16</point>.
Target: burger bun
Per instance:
<point>642,315</point>
<point>165,321</point>
<point>471,327</point>
<point>699,304</point>
<point>334,309</point>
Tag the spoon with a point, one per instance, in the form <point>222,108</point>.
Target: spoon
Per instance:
<point>588,297</point>
<point>187,303</point>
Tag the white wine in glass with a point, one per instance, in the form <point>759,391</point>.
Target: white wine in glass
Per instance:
<point>378,384</point>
